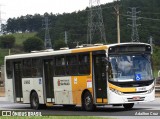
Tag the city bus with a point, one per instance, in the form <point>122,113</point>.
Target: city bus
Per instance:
<point>98,75</point>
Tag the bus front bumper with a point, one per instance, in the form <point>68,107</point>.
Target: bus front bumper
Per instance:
<point>114,98</point>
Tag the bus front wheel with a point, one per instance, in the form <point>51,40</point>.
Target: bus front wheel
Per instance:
<point>87,102</point>
<point>128,106</point>
<point>34,100</point>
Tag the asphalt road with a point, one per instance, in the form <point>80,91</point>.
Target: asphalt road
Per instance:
<point>140,111</point>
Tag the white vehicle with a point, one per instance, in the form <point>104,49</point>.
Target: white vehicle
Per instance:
<point>115,74</point>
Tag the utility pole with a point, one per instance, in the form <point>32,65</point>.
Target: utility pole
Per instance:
<point>47,44</point>
<point>65,37</point>
<point>134,35</point>
<point>116,7</point>
<point>151,43</point>
<point>96,30</point>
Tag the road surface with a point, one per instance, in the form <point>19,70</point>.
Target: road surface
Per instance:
<point>140,111</point>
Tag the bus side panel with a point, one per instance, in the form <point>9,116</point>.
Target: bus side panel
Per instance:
<point>79,84</point>
<point>9,89</point>
<point>63,90</point>
<point>29,84</point>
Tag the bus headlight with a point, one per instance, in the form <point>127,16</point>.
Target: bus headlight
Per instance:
<point>150,90</point>
<point>116,91</point>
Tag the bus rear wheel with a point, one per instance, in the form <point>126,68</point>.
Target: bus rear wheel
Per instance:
<point>34,100</point>
<point>87,102</point>
<point>128,106</point>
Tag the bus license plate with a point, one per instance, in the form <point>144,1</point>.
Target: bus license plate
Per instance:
<point>141,89</point>
<point>136,98</point>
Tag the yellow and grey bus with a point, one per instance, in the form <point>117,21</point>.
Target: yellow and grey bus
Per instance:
<point>115,74</point>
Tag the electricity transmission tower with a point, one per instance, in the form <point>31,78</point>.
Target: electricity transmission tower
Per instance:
<point>134,35</point>
<point>96,30</point>
<point>47,43</point>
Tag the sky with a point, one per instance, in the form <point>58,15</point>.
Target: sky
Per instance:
<point>17,8</point>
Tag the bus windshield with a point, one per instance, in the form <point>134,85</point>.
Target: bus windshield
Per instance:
<point>127,68</point>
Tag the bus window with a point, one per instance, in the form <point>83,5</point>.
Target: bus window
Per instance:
<point>60,66</point>
<point>72,65</point>
<point>27,72</point>
<point>9,69</point>
<point>36,68</point>
<point>84,65</point>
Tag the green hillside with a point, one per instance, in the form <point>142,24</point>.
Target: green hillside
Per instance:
<point>18,48</point>
<point>21,37</point>
<point>76,23</point>
<point>3,52</point>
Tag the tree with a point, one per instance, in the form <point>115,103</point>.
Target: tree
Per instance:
<point>59,44</point>
<point>7,41</point>
<point>33,43</point>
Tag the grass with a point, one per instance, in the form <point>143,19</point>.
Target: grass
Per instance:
<point>21,37</point>
<point>3,53</point>
<point>57,117</point>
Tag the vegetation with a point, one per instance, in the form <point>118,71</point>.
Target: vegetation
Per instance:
<point>76,26</point>
<point>59,44</point>
<point>21,37</point>
<point>18,46</point>
<point>76,23</point>
<point>3,52</point>
<point>33,43</point>
<point>7,41</point>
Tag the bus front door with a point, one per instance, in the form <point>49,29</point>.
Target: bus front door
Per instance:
<point>48,75</point>
<point>100,82</point>
<point>18,81</point>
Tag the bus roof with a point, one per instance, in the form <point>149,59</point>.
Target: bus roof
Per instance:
<point>68,51</point>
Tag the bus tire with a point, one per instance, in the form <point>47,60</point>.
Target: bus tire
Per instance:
<point>34,101</point>
<point>87,102</point>
<point>128,106</point>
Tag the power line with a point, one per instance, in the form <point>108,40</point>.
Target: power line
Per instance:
<point>107,7</point>
<point>150,13</point>
<point>145,18</point>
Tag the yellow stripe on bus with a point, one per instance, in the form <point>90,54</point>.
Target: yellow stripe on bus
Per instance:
<point>122,89</point>
<point>89,49</point>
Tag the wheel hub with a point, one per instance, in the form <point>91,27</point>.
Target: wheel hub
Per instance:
<point>87,100</point>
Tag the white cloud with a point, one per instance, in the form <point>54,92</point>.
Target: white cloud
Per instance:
<point>15,8</point>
